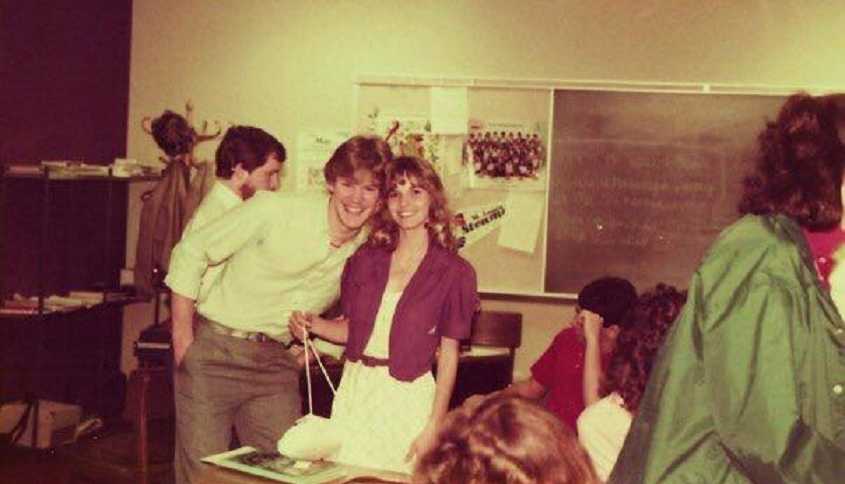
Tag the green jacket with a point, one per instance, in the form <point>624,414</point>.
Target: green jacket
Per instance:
<point>750,385</point>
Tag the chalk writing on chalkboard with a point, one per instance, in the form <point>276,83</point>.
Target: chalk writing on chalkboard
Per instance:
<point>643,182</point>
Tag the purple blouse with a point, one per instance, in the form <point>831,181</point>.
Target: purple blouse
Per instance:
<point>439,300</point>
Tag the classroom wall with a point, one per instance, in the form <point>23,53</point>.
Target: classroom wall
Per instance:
<point>289,66</point>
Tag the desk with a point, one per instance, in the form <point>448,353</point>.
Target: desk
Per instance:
<point>212,474</point>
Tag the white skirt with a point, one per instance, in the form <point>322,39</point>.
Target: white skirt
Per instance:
<point>377,416</point>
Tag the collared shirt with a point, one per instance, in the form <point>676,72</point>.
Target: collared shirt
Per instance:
<point>750,384</point>
<point>823,245</point>
<point>278,259</point>
<point>217,202</point>
<point>439,300</point>
<point>560,370</point>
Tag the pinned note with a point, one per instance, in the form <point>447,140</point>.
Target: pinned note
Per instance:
<point>449,110</point>
<point>521,225</point>
<point>313,151</point>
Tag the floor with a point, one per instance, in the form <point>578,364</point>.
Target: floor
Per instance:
<point>20,465</point>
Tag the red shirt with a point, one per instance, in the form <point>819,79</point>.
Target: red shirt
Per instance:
<point>561,372</point>
<point>822,247</point>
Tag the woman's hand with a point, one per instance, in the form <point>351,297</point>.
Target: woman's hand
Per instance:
<point>300,323</point>
<point>424,442</point>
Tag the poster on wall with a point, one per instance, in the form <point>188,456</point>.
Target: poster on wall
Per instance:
<point>471,224</point>
<point>508,155</point>
<point>313,151</point>
<point>410,135</point>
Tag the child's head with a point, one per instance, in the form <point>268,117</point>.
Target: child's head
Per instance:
<point>504,439</point>
<point>608,297</point>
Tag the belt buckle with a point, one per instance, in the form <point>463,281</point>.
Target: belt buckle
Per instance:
<point>259,337</point>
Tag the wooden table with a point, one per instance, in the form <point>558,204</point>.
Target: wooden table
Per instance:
<point>212,474</point>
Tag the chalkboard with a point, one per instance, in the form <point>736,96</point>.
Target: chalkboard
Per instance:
<point>641,183</point>
<point>638,181</point>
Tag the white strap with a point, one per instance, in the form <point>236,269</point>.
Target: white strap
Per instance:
<point>308,344</point>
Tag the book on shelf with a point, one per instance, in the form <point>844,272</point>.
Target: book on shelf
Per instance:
<point>74,169</point>
<point>13,311</point>
<point>98,297</point>
<point>24,169</point>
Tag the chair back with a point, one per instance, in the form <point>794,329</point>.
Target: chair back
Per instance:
<point>497,328</point>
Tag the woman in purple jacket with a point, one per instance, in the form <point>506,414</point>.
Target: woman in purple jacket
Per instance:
<point>404,295</point>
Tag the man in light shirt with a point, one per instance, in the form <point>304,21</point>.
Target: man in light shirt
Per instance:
<point>247,160</point>
<point>282,252</point>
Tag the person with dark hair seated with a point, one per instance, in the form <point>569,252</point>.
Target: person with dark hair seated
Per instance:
<point>504,439</point>
<point>560,374</point>
<point>603,425</point>
<point>750,384</point>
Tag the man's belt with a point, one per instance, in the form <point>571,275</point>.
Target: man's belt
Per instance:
<point>236,333</point>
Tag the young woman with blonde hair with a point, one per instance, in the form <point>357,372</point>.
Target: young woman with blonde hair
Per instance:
<point>407,299</point>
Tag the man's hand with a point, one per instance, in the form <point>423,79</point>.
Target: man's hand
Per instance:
<point>182,316</point>
<point>591,324</point>
<point>299,353</point>
<point>180,347</point>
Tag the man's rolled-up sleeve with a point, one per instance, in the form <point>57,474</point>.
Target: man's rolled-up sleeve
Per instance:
<point>216,242</point>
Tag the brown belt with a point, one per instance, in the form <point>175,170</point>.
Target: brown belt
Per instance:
<point>371,360</point>
<point>227,331</point>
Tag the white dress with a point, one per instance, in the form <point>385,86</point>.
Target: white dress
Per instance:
<point>602,428</point>
<point>377,416</point>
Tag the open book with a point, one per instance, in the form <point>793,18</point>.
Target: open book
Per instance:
<point>275,466</point>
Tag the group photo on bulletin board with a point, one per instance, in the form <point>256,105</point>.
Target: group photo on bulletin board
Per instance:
<point>554,186</point>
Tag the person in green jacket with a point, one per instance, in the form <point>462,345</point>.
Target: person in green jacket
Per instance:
<point>750,385</point>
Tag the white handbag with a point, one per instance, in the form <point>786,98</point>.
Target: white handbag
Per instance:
<point>312,436</point>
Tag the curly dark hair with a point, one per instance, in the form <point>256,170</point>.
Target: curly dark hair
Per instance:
<point>173,134</point>
<point>799,165</point>
<point>650,319</point>
<point>505,439</point>
<point>385,232</point>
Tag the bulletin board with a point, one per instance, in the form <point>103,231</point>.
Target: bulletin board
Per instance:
<point>637,180</point>
<point>483,203</point>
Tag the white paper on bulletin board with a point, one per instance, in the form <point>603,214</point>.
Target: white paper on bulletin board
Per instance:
<point>313,151</point>
<point>449,110</point>
<point>522,222</point>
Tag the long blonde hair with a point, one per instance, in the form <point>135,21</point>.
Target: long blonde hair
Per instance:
<point>385,232</point>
